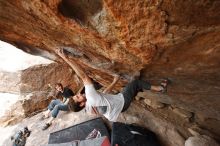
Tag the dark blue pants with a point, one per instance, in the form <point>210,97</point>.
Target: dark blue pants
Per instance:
<point>55,106</point>
<point>132,89</point>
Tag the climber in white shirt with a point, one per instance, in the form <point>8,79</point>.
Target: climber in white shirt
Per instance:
<point>108,105</point>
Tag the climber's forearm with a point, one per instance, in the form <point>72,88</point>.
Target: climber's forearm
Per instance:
<point>111,86</point>
<point>78,70</point>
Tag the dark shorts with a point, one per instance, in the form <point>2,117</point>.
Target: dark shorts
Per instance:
<point>132,89</point>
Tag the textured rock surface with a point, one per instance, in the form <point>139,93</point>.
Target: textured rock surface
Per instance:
<point>162,38</point>
<point>39,78</point>
<point>182,113</point>
<point>113,36</point>
<point>201,140</point>
<point>154,104</point>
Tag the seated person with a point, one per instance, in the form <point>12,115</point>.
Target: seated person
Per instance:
<point>108,105</point>
<point>56,105</point>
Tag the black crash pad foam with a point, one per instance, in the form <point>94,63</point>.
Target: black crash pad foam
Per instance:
<point>78,132</point>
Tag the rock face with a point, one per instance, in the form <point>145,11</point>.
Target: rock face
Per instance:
<point>116,36</point>
<point>201,140</point>
<point>161,38</point>
<point>40,78</point>
<point>35,86</point>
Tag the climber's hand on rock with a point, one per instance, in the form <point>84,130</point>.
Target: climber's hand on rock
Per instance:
<point>116,78</point>
<point>60,53</point>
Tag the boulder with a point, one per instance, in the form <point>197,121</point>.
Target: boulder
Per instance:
<point>201,140</point>
<point>183,113</point>
<point>154,104</point>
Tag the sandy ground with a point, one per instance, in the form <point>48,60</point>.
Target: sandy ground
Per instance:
<point>39,137</point>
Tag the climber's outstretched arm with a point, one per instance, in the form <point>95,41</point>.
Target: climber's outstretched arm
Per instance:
<point>78,70</point>
<point>111,86</point>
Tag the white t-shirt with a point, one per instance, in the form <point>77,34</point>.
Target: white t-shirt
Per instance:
<point>114,103</point>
